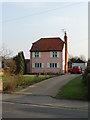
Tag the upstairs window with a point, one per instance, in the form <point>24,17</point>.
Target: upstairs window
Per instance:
<point>36,54</point>
<point>54,54</point>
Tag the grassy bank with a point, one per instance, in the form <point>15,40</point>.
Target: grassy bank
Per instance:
<point>75,89</point>
<point>14,83</point>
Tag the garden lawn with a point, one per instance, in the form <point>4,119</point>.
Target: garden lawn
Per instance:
<point>18,82</point>
<point>31,79</point>
<point>75,89</point>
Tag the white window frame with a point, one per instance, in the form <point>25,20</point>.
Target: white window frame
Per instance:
<point>33,65</point>
<point>54,54</point>
<point>36,54</point>
<point>38,65</point>
<point>47,65</point>
<point>53,65</point>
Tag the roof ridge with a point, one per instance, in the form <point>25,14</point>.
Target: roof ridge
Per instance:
<point>48,43</point>
<point>48,38</point>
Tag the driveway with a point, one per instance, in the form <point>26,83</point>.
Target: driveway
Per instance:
<point>50,86</point>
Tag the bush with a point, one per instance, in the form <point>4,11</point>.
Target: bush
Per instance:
<point>88,79</point>
<point>19,79</point>
<point>9,84</point>
<point>88,69</point>
<point>86,75</point>
<point>10,67</point>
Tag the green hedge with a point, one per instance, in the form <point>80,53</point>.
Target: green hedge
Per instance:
<point>86,75</point>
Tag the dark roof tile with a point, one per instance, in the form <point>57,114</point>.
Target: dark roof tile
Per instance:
<point>79,61</point>
<point>47,44</point>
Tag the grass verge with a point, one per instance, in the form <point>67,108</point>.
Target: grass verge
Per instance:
<point>75,89</point>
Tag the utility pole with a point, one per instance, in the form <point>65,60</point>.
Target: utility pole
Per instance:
<point>66,53</point>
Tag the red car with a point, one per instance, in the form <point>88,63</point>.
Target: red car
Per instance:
<point>76,69</point>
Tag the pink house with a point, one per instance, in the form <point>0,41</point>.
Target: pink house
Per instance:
<point>46,56</point>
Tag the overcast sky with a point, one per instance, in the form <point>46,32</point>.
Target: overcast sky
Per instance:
<point>25,22</point>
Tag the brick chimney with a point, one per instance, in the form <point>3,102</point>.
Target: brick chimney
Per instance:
<point>66,53</point>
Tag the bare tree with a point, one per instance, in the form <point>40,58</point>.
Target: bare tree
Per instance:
<point>82,57</point>
<point>5,53</point>
<point>11,67</point>
<point>6,60</point>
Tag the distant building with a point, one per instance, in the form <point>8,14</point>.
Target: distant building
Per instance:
<point>27,66</point>
<point>80,63</point>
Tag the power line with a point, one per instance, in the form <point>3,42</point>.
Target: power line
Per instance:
<point>47,11</point>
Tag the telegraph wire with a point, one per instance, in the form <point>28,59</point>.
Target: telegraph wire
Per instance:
<point>35,14</point>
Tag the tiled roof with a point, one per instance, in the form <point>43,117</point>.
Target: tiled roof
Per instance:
<point>79,61</point>
<point>47,44</point>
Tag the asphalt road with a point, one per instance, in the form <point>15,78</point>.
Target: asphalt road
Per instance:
<point>36,102</point>
<point>15,110</point>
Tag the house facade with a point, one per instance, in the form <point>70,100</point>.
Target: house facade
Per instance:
<point>46,56</point>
